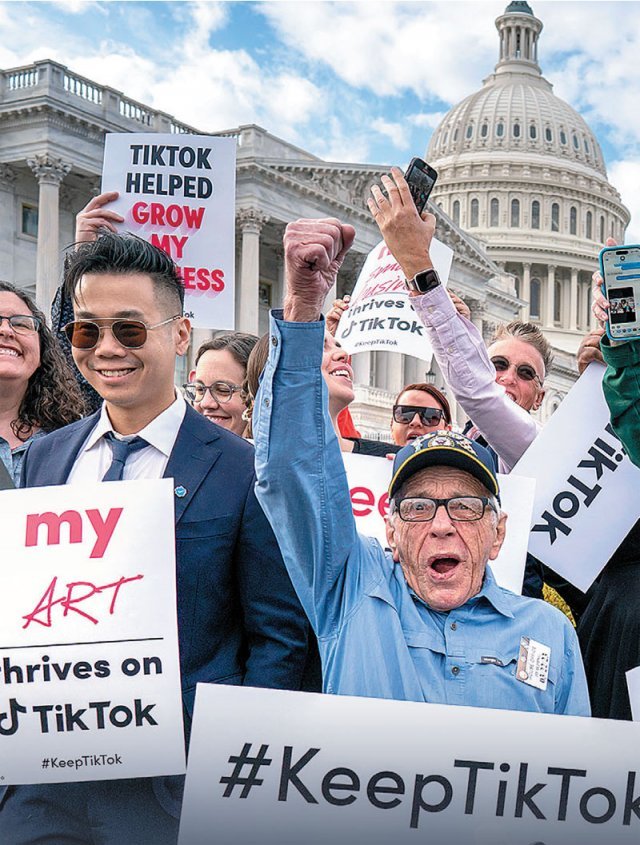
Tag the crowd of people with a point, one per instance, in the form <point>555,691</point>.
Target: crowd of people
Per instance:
<point>275,587</point>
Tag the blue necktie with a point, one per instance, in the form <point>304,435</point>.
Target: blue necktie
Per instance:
<point>120,451</point>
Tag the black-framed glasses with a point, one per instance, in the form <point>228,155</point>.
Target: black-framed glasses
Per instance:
<point>429,417</point>
<point>132,334</point>
<point>221,391</point>
<point>524,371</point>
<point>22,323</point>
<point>459,508</point>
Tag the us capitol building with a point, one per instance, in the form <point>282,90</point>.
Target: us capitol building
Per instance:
<point>522,199</point>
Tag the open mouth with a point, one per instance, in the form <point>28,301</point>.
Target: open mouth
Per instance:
<point>9,352</point>
<point>443,566</point>
<point>115,374</point>
<point>342,373</point>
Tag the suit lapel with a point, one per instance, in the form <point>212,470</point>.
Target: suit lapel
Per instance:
<point>193,455</point>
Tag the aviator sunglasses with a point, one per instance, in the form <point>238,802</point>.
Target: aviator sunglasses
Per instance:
<point>132,334</point>
<point>524,371</point>
<point>429,417</point>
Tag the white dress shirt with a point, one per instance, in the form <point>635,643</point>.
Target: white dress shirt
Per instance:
<point>94,459</point>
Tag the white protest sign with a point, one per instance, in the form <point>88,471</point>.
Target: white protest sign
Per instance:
<point>178,192</point>
<point>89,667</point>
<point>302,767</point>
<point>369,478</point>
<point>633,684</point>
<point>587,489</point>
<point>380,314</point>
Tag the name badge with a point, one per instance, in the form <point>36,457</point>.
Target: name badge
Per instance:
<point>533,663</point>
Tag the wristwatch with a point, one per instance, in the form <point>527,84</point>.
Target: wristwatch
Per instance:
<point>424,281</point>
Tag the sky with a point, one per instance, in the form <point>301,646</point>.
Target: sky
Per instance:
<point>359,82</point>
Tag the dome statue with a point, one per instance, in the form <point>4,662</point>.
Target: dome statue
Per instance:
<point>522,172</point>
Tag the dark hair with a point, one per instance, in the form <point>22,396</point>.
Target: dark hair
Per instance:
<point>124,254</point>
<point>255,366</point>
<point>438,395</point>
<point>239,344</point>
<point>52,398</point>
<point>529,333</point>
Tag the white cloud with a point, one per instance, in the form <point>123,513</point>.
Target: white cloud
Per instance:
<point>433,49</point>
<point>396,132</point>
<point>625,175</point>
<point>428,120</point>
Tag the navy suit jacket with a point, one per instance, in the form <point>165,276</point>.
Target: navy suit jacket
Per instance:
<point>239,620</point>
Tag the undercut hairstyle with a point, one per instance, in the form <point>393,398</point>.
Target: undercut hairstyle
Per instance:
<point>528,333</point>
<point>124,254</point>
<point>238,344</point>
<point>52,398</point>
<point>438,395</point>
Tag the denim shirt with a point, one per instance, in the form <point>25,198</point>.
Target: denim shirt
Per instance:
<point>376,637</point>
<point>13,458</point>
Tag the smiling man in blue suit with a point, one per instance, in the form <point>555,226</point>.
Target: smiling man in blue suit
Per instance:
<point>239,621</point>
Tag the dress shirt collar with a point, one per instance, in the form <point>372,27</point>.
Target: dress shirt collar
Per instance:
<point>160,433</point>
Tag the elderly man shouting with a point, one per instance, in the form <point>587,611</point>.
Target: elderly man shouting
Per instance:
<point>424,620</point>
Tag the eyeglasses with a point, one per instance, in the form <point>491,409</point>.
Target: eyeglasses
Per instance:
<point>524,371</point>
<point>429,417</point>
<point>459,508</point>
<point>22,323</point>
<point>221,391</point>
<point>132,334</point>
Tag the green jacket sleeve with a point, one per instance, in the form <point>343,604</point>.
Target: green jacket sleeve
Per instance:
<point>622,391</point>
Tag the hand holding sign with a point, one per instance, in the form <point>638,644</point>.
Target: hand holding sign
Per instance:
<point>314,252</point>
<point>95,216</point>
<point>407,235</point>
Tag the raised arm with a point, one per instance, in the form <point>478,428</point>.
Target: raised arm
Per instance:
<point>302,484</point>
<point>457,344</point>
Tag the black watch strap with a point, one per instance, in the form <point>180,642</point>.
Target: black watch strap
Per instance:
<point>424,281</point>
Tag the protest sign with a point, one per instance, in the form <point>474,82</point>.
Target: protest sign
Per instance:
<point>380,314</point>
<point>369,478</point>
<point>89,667</point>
<point>586,496</point>
<point>178,192</point>
<point>301,767</point>
<point>633,684</point>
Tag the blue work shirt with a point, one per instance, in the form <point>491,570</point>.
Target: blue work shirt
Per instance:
<point>376,637</point>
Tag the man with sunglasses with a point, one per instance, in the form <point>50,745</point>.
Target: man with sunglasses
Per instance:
<point>419,409</point>
<point>424,620</point>
<point>239,621</point>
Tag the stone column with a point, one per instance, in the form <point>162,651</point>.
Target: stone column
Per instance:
<point>49,172</point>
<point>251,221</point>
<point>573,301</point>
<point>551,289</point>
<point>526,290</point>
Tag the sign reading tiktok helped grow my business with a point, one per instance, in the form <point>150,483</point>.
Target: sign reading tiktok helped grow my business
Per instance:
<point>89,667</point>
<point>380,314</point>
<point>178,192</point>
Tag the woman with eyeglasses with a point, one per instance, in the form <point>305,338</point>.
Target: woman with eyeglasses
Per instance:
<point>215,386</point>
<point>38,392</point>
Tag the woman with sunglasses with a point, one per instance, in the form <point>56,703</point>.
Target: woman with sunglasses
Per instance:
<point>38,392</point>
<point>419,409</point>
<point>498,387</point>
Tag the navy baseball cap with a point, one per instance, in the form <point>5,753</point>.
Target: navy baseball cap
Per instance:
<point>444,448</point>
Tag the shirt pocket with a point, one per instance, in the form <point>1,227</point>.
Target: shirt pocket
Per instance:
<point>496,672</point>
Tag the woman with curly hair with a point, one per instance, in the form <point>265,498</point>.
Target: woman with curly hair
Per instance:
<point>38,391</point>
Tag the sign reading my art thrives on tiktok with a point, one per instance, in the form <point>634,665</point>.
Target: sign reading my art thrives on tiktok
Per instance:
<point>178,192</point>
<point>89,667</point>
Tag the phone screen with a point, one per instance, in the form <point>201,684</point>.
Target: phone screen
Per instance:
<point>622,289</point>
<point>420,183</point>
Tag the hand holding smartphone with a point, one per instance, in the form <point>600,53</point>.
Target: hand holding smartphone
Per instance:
<point>620,269</point>
<point>421,178</point>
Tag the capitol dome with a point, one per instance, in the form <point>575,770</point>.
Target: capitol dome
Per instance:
<point>521,171</point>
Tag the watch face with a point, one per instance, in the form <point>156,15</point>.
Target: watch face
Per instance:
<point>427,280</point>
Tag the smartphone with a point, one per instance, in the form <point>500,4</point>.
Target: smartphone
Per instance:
<point>620,268</point>
<point>421,178</point>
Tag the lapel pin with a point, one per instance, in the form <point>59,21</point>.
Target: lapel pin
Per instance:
<point>180,492</point>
